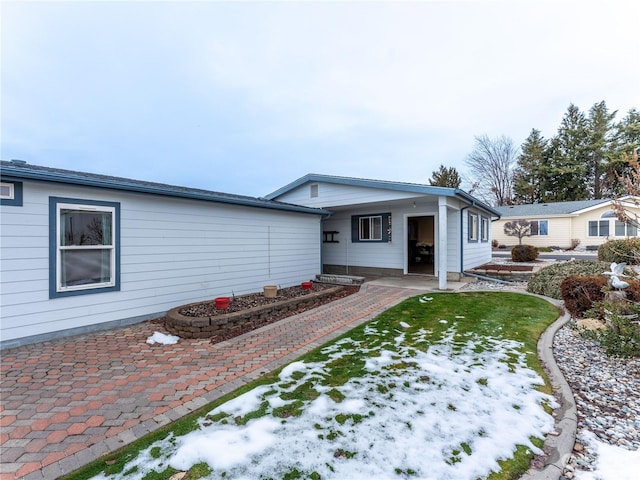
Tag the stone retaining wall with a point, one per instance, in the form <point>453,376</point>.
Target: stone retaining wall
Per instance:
<point>507,275</point>
<point>226,325</point>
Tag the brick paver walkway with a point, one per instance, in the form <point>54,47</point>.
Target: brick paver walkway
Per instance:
<point>65,403</point>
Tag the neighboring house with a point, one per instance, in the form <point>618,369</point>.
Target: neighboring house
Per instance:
<point>81,252</point>
<point>391,228</point>
<point>591,222</point>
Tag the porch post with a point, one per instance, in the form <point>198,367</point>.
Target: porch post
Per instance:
<point>442,243</point>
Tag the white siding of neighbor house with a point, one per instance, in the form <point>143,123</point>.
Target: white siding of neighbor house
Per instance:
<point>560,233</point>
<point>173,251</point>
<point>562,230</point>
<point>580,226</point>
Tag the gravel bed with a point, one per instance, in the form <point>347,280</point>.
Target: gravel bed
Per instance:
<point>607,394</point>
<point>489,285</point>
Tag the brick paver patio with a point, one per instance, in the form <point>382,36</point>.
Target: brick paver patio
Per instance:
<point>66,402</point>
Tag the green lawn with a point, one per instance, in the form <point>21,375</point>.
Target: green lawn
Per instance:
<point>433,373</point>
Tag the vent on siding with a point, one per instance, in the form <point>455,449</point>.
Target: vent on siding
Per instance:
<point>313,190</point>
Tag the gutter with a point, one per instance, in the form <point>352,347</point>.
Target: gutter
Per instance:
<point>20,172</point>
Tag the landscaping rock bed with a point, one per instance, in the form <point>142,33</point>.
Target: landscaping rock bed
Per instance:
<point>248,312</point>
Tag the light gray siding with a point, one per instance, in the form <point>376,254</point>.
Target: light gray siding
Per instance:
<point>336,195</point>
<point>173,251</point>
<point>474,253</point>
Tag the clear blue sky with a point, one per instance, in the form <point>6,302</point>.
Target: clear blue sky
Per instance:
<point>245,97</point>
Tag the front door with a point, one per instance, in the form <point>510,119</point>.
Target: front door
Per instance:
<point>421,245</point>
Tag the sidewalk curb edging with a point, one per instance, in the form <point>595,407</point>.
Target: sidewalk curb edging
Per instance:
<point>558,445</point>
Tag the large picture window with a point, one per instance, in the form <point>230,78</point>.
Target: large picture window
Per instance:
<point>599,228</point>
<point>610,225</point>
<point>84,238</point>
<point>625,229</point>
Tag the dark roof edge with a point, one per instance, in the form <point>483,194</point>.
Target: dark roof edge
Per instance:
<point>389,185</point>
<point>20,171</point>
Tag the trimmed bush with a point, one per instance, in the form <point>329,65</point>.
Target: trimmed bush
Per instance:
<point>580,292</point>
<point>626,250</point>
<point>633,290</point>
<point>524,253</point>
<point>547,280</point>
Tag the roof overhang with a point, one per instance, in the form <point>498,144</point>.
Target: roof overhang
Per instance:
<point>386,185</point>
<point>20,171</point>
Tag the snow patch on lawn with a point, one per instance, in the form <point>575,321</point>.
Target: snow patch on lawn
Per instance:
<point>450,412</point>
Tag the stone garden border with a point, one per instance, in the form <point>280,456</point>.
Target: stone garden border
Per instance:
<point>226,325</point>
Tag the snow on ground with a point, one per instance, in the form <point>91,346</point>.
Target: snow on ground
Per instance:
<point>614,463</point>
<point>448,410</point>
<point>162,338</point>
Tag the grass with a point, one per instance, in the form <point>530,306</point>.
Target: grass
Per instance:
<point>502,315</point>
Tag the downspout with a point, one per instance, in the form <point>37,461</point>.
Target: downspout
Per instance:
<point>461,237</point>
<point>322,219</point>
<point>462,272</point>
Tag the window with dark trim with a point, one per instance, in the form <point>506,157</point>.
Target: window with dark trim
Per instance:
<point>473,227</point>
<point>371,228</point>
<point>84,246</point>
<point>11,193</point>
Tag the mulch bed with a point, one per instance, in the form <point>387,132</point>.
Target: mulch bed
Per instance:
<point>252,300</point>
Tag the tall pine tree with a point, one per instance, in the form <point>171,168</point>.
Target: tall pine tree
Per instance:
<point>446,177</point>
<point>568,158</point>
<point>529,178</point>
<point>626,142</point>
<point>599,149</point>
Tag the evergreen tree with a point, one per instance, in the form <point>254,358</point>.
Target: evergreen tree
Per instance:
<point>529,179</point>
<point>626,142</point>
<point>568,158</point>
<point>445,177</point>
<point>599,149</point>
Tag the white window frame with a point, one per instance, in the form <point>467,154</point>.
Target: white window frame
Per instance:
<point>484,229</point>
<point>61,248</point>
<point>626,226</point>
<point>473,227</point>
<point>599,222</point>
<point>372,229</point>
<point>12,191</point>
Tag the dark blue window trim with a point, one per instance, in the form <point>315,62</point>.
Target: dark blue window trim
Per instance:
<point>16,201</point>
<point>471,229</point>
<point>386,228</point>
<point>53,247</point>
